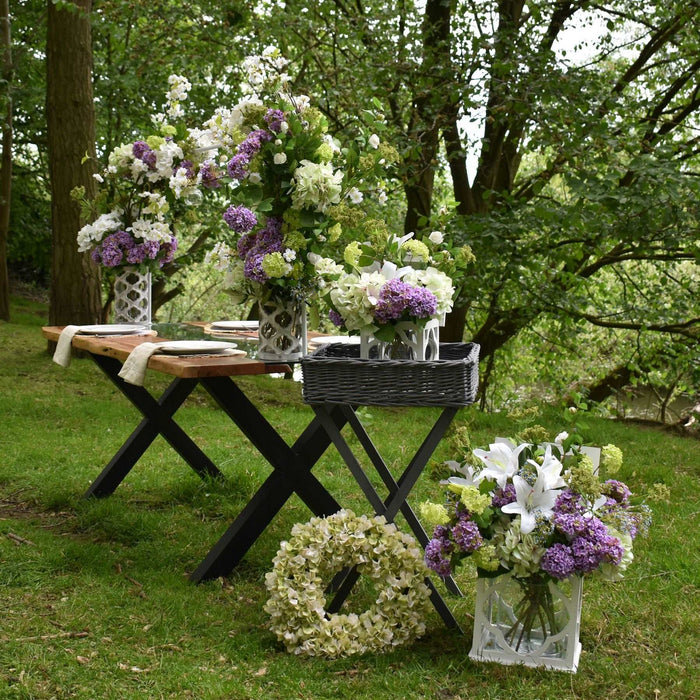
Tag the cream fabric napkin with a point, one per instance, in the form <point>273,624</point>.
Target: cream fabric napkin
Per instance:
<point>134,368</point>
<point>62,354</point>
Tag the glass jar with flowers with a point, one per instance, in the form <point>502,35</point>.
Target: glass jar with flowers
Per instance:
<point>394,292</point>
<point>534,519</point>
<point>146,187</point>
<point>294,194</point>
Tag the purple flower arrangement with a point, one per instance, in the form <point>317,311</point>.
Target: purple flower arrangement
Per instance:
<point>539,512</point>
<point>120,249</point>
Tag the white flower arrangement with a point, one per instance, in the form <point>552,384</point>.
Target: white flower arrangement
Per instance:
<point>305,565</point>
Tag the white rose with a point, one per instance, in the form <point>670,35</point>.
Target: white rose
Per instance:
<point>374,141</point>
<point>280,158</point>
<point>436,237</point>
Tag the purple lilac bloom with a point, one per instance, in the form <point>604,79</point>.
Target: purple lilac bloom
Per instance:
<point>209,176</point>
<point>274,119</point>
<point>503,496</point>
<point>569,502</point>
<point>140,149</point>
<point>245,244</point>
<point>617,490</point>
<point>236,167</point>
<point>253,143</point>
<point>435,558</point>
<point>467,536</point>
<point>558,561</point>
<point>188,166</point>
<point>240,219</point>
<point>397,298</point>
<point>336,318</point>
<point>135,255</point>
<point>252,268</point>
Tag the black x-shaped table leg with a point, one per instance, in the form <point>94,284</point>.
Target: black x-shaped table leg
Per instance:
<point>398,491</point>
<point>157,420</point>
<point>291,474</point>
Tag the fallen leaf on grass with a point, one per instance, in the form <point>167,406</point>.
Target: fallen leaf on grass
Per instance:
<point>261,671</point>
<point>82,659</point>
<point>133,669</point>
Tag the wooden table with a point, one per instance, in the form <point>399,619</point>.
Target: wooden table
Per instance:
<point>291,465</point>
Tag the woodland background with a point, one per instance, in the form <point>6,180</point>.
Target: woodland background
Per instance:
<point>561,140</point>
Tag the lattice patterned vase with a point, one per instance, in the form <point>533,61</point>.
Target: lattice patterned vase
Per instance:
<point>282,330</point>
<point>413,342</point>
<point>132,297</point>
<point>528,621</point>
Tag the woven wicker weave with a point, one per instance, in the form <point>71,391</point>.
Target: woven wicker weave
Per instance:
<point>336,374</point>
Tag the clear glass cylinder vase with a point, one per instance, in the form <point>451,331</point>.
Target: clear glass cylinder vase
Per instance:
<point>132,297</point>
<point>413,341</point>
<point>282,330</point>
<point>529,621</point>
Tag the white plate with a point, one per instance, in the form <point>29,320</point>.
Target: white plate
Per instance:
<point>235,325</point>
<point>326,339</point>
<point>112,329</point>
<point>194,347</point>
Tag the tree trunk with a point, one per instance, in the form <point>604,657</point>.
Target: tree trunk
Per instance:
<point>75,279</point>
<point>6,167</point>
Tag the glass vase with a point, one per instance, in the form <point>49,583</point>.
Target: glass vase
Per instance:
<point>132,297</point>
<point>282,330</point>
<point>529,621</point>
<point>413,342</point>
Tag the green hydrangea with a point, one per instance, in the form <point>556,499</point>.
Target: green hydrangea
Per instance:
<point>388,153</point>
<point>534,434</point>
<point>434,514</point>
<point>465,256</point>
<point>295,240</point>
<point>155,142</point>
<point>168,130</point>
<point>352,253</point>
<point>474,501</point>
<point>274,265</point>
<point>417,250</point>
<point>581,478</point>
<point>325,153</point>
<point>486,558</point>
<point>334,233</point>
<point>611,459</point>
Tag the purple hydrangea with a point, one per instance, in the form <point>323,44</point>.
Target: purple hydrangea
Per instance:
<point>570,524</point>
<point>336,318</point>
<point>436,559</point>
<point>503,496</point>
<point>240,218</point>
<point>143,152</point>
<point>467,536</point>
<point>587,556</point>
<point>274,119</point>
<point>399,299</point>
<point>611,550</point>
<point>252,268</point>
<point>237,167</point>
<point>558,561</point>
<point>120,248</point>
<point>617,491</point>
<point>569,502</point>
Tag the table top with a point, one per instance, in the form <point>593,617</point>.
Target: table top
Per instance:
<point>185,367</point>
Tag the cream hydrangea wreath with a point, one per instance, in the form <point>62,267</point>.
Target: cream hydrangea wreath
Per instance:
<point>315,552</point>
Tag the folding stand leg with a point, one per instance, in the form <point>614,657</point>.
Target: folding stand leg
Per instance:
<point>157,420</point>
<point>399,492</point>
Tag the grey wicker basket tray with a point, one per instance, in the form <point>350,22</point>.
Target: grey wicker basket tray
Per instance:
<point>335,374</point>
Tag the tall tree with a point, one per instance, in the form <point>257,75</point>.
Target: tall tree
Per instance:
<point>75,282</point>
<point>6,165</point>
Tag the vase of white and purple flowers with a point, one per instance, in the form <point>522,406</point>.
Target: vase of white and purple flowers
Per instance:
<point>391,292</point>
<point>147,187</point>
<point>294,194</point>
<point>534,520</point>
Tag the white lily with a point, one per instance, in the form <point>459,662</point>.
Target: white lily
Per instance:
<point>550,470</point>
<point>501,461</point>
<point>531,500</point>
<point>469,478</point>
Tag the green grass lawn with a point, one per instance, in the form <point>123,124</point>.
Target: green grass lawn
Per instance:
<point>94,596</point>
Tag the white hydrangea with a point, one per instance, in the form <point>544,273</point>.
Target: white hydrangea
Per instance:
<point>437,282</point>
<point>156,205</point>
<point>316,186</point>
<point>179,182</point>
<point>93,233</point>
<point>121,157</point>
<point>146,230</point>
<point>324,266</point>
<point>166,155</point>
<point>355,297</point>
